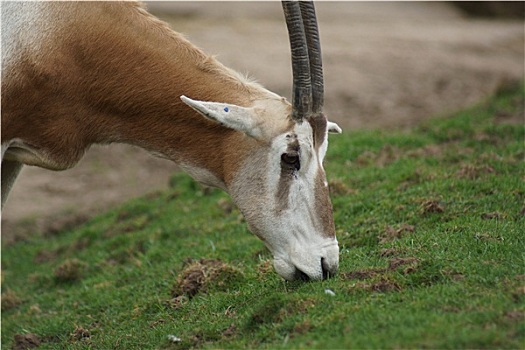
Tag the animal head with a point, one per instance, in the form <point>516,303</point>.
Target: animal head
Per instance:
<point>280,185</point>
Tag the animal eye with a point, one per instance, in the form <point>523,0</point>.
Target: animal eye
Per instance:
<point>291,159</point>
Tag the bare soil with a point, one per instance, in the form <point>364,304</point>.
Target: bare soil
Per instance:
<point>387,65</point>
<point>198,276</point>
<point>26,341</point>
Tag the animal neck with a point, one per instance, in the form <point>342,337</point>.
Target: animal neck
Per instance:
<point>156,68</point>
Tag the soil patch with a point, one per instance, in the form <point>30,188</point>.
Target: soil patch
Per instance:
<point>26,341</point>
<point>203,275</point>
<point>429,206</point>
<point>10,300</point>
<point>410,265</point>
<point>70,270</point>
<point>80,333</point>
<point>392,233</point>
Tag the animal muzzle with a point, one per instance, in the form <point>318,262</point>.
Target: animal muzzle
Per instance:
<point>309,264</point>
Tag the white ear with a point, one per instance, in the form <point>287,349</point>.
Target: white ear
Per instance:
<point>334,128</point>
<point>239,118</point>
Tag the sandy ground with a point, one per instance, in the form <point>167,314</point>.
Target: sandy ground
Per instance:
<point>387,65</point>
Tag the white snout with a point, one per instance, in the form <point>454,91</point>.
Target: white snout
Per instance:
<point>315,263</point>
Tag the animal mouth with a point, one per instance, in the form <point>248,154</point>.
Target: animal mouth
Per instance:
<point>301,276</point>
<point>327,272</point>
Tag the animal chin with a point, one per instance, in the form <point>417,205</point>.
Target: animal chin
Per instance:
<point>291,272</point>
<point>309,264</point>
<point>284,269</point>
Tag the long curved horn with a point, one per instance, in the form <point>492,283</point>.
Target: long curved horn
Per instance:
<point>302,88</point>
<point>314,54</point>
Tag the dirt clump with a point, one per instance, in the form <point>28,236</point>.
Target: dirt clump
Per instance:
<point>389,252</point>
<point>382,283</point>
<point>472,172</point>
<point>276,309</point>
<point>392,233</point>
<point>492,215</point>
<point>70,270</point>
<point>381,286</point>
<point>203,275</point>
<point>230,331</point>
<point>301,328</point>
<point>10,300</point>
<point>515,315</point>
<point>154,324</point>
<point>338,187</point>
<point>264,267</point>
<point>518,294</point>
<point>394,263</point>
<point>80,333</point>
<point>44,256</point>
<point>363,274</point>
<point>26,341</point>
<point>431,206</point>
<point>177,302</point>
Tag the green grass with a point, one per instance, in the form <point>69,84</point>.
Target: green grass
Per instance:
<point>431,228</point>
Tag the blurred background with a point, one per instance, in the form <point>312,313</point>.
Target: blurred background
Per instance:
<point>387,65</point>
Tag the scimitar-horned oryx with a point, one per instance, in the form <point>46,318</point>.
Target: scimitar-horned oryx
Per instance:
<point>76,74</point>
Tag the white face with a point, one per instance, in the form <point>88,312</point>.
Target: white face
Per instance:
<point>283,194</point>
<point>281,187</point>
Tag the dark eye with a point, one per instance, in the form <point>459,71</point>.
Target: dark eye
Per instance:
<point>291,160</point>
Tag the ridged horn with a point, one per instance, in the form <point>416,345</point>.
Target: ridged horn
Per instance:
<point>308,87</point>
<point>302,88</point>
<point>314,54</point>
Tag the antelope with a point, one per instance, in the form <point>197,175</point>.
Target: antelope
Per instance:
<point>76,74</point>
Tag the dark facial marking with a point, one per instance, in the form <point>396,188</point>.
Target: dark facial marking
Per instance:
<point>290,165</point>
<point>323,206</point>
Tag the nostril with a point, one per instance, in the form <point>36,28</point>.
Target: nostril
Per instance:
<point>327,273</point>
<point>325,270</point>
<point>300,275</point>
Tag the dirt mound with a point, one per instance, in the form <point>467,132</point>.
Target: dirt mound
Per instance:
<point>10,300</point>
<point>203,275</point>
<point>70,270</point>
<point>26,341</point>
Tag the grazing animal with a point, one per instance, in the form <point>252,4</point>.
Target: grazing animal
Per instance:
<point>76,74</point>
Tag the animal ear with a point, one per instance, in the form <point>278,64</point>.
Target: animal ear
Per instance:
<point>235,117</point>
<point>334,128</point>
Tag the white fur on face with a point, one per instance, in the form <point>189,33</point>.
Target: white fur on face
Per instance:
<point>281,205</point>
